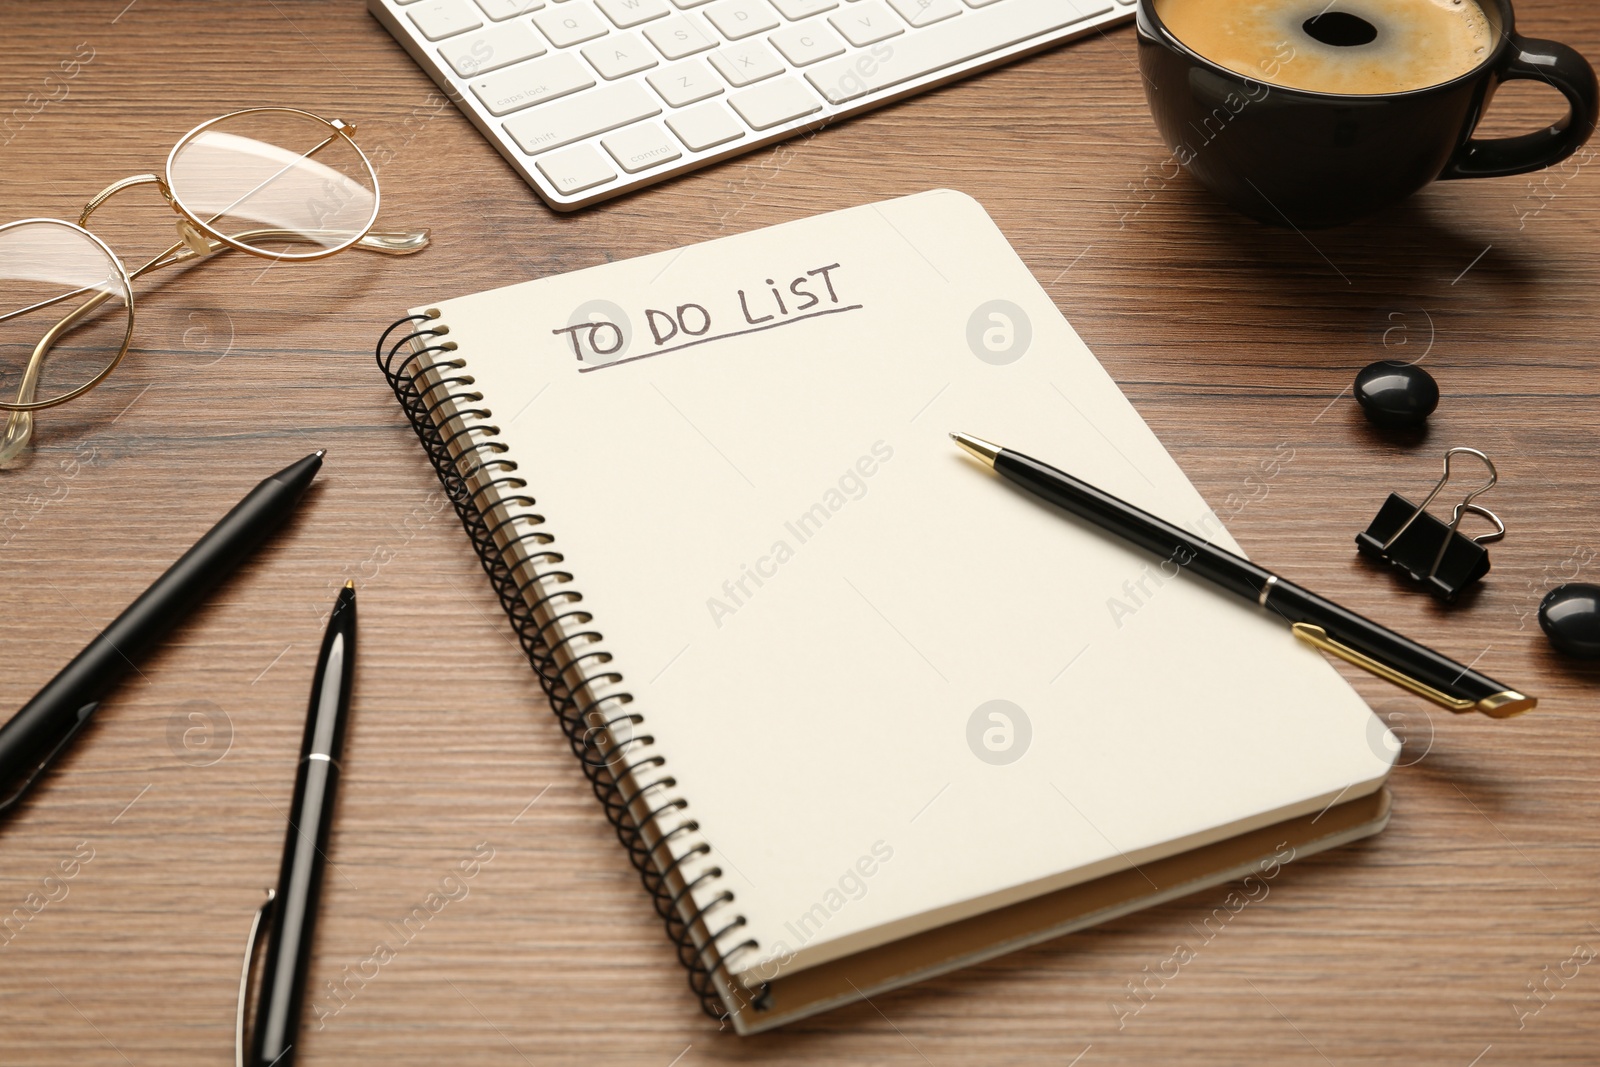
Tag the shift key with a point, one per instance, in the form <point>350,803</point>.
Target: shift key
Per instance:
<point>531,83</point>
<point>565,121</point>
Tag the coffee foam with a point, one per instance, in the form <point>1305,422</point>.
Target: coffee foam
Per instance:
<point>1418,43</point>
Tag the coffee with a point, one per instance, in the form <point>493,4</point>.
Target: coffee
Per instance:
<point>1349,47</point>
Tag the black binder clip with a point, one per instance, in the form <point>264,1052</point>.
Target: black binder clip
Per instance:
<point>1431,552</point>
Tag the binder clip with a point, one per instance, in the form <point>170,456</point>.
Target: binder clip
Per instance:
<point>1432,552</point>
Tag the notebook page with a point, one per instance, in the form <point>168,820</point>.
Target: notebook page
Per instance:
<point>894,690</point>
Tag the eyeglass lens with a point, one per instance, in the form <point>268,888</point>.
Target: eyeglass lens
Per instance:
<point>278,182</point>
<point>48,271</point>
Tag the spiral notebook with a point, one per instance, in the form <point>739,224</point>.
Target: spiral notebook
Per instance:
<point>860,712</point>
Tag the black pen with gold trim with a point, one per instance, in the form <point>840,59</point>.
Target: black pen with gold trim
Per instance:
<point>1313,619</point>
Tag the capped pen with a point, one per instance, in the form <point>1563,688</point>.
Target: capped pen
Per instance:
<point>1313,619</point>
<point>47,725</point>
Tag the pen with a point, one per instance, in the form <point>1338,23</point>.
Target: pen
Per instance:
<point>1314,620</point>
<point>294,904</point>
<point>42,730</point>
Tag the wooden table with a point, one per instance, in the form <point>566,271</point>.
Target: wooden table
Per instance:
<point>1419,946</point>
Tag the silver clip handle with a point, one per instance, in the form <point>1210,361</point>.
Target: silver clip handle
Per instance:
<point>1494,476</point>
<point>1499,531</point>
<point>1489,538</point>
<point>1466,505</point>
<point>244,977</point>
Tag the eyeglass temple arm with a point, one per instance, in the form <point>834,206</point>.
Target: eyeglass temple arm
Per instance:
<point>385,242</point>
<point>19,424</point>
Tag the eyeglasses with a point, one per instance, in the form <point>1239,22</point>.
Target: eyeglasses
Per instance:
<point>246,181</point>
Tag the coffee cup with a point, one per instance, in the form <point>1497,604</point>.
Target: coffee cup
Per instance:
<point>1309,113</point>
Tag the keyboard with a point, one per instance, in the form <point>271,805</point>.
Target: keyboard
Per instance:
<point>590,99</point>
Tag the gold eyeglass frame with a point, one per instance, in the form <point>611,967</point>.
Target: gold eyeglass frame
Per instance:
<point>197,239</point>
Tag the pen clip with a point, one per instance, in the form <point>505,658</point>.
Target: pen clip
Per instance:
<point>84,714</point>
<point>1317,637</point>
<point>262,913</point>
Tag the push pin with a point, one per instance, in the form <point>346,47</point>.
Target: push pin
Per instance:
<point>1436,554</point>
<point>1570,616</point>
<point>1396,395</point>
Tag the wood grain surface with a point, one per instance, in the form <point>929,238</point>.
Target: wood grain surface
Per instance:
<point>1235,341</point>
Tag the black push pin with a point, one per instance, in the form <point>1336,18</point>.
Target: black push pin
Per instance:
<point>1430,551</point>
<point>1396,395</point>
<point>1570,618</point>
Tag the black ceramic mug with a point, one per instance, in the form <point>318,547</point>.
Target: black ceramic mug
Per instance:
<point>1311,159</point>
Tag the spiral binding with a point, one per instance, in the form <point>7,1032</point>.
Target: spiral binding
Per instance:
<point>435,392</point>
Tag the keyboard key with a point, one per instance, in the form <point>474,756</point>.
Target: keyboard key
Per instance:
<point>619,54</point>
<point>926,12</point>
<point>867,23</point>
<point>531,83</point>
<point>685,83</point>
<point>641,147</point>
<point>570,24</point>
<point>808,43</point>
<point>687,4</point>
<point>678,36</point>
<point>565,121</point>
<point>706,126</point>
<point>949,42</point>
<point>735,19</point>
<point>438,19</point>
<point>492,48</point>
<point>628,13</point>
<point>775,103</point>
<point>746,64</point>
<point>795,10</point>
<point>576,169</point>
<point>499,10</point>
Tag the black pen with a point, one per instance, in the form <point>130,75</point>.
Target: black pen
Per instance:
<point>1314,620</point>
<point>41,731</point>
<point>305,845</point>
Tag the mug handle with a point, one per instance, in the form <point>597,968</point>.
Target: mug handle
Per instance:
<point>1554,64</point>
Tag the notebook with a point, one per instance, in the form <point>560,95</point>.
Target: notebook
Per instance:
<point>860,711</point>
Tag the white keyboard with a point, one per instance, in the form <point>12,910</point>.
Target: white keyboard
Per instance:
<point>589,99</point>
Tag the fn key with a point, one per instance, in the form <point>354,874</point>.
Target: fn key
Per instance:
<point>576,169</point>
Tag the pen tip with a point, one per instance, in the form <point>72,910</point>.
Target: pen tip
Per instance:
<point>319,453</point>
<point>980,449</point>
<point>349,583</point>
